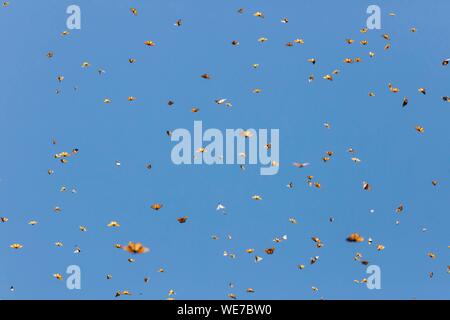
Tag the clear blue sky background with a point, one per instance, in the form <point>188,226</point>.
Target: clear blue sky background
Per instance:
<point>398,162</point>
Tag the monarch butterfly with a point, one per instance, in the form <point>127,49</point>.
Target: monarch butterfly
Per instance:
<point>182,219</point>
<point>156,206</point>
<point>355,237</point>
<point>135,248</point>
<point>300,165</point>
<point>269,250</point>
<point>420,129</point>
<point>58,276</point>
<point>124,293</point>
<point>246,134</point>
<point>367,186</point>
<point>150,43</point>
<point>314,259</point>
<point>393,89</point>
<point>405,102</point>
<point>113,224</point>
<point>316,240</point>
<point>232,296</point>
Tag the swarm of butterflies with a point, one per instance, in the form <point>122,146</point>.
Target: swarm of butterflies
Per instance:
<point>135,248</point>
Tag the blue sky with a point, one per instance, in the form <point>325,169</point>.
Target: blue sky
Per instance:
<point>397,161</point>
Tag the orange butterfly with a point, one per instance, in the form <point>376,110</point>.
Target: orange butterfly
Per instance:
<point>182,219</point>
<point>355,237</point>
<point>135,248</point>
<point>156,206</point>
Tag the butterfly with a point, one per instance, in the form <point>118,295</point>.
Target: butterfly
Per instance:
<point>149,43</point>
<point>182,219</point>
<point>355,237</point>
<point>156,206</point>
<point>113,224</point>
<point>405,102</point>
<point>420,129</point>
<point>300,165</point>
<point>135,248</point>
<point>58,276</point>
<point>367,186</point>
